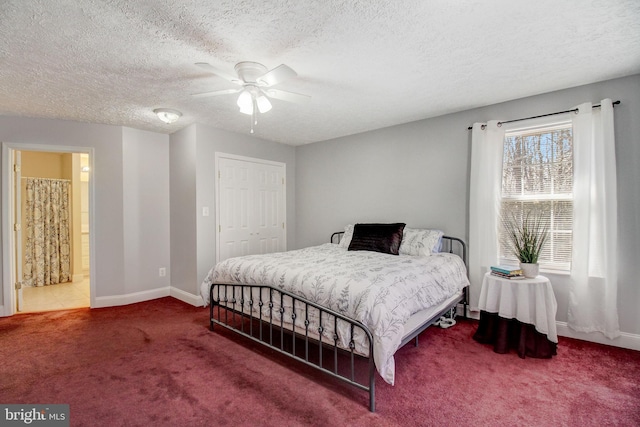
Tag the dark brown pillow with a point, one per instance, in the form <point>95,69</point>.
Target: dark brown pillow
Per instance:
<point>385,238</point>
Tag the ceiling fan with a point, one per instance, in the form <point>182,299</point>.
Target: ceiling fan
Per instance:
<point>255,90</point>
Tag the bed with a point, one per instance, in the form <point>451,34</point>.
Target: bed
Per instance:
<point>370,291</point>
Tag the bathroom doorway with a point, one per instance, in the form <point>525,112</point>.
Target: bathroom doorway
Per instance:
<point>52,240</point>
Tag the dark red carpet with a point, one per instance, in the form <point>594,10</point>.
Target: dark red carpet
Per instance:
<point>156,363</point>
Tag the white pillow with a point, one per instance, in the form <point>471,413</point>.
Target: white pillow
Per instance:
<point>420,242</point>
<point>346,237</point>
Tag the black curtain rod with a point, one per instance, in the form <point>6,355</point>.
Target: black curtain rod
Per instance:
<point>543,115</point>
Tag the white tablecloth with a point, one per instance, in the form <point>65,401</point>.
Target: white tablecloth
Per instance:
<point>530,301</point>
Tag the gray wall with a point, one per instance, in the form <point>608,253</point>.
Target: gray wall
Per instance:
<point>396,174</point>
<point>182,168</point>
<point>115,180</point>
<point>145,167</point>
<point>418,173</point>
<point>193,183</point>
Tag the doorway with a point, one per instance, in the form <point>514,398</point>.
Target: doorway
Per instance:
<point>65,283</point>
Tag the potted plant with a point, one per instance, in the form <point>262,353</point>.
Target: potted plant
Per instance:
<point>526,237</point>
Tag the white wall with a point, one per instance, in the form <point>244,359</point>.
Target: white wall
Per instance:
<point>418,173</point>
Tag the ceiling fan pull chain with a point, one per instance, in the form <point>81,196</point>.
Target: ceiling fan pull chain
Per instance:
<point>253,116</point>
<point>255,109</point>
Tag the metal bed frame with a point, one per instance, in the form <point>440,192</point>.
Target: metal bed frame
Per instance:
<point>268,326</point>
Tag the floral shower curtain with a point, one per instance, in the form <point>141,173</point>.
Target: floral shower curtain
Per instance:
<point>47,248</point>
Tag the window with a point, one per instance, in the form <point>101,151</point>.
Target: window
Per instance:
<point>537,174</point>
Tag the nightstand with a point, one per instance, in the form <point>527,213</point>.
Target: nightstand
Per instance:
<point>518,314</point>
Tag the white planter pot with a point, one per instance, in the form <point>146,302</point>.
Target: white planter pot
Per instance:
<point>530,271</point>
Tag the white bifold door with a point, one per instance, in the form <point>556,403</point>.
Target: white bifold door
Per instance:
<point>251,207</point>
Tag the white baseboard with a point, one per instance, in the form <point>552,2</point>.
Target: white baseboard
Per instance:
<point>625,340</point>
<point>472,313</point>
<point>111,301</point>
<point>133,298</point>
<point>77,278</point>
<point>195,300</point>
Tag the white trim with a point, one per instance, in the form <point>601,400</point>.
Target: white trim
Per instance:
<point>473,313</point>
<point>167,291</point>
<point>115,300</point>
<point>219,155</point>
<point>538,123</point>
<point>625,340</point>
<point>179,294</point>
<point>8,292</point>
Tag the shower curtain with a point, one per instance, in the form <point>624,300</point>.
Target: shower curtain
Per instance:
<point>47,248</point>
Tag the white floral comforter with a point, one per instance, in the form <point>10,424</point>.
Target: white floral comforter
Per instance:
<point>379,290</point>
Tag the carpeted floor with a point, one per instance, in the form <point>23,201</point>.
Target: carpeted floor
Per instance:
<point>156,363</point>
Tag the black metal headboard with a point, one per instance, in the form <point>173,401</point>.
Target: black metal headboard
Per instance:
<point>450,244</point>
<point>337,235</point>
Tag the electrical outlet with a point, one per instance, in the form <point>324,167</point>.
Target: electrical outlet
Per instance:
<point>162,272</point>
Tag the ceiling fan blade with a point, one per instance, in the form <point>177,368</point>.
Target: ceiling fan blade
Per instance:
<point>216,93</point>
<point>275,76</point>
<point>219,72</point>
<point>284,95</point>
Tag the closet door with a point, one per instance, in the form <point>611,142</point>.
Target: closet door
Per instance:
<point>269,196</point>
<point>250,207</point>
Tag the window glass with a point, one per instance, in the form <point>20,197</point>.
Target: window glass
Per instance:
<point>537,176</point>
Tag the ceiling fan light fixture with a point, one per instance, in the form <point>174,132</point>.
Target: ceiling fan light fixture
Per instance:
<point>256,80</point>
<point>167,115</point>
<point>263,104</point>
<point>245,102</point>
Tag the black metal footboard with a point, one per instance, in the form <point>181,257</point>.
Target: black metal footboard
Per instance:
<point>309,333</point>
<point>298,328</point>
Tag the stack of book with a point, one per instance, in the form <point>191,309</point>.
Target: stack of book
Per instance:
<point>507,272</point>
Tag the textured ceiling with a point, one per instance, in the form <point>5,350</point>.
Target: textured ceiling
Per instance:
<point>365,64</point>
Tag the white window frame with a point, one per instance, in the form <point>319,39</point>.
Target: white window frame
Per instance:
<point>530,126</point>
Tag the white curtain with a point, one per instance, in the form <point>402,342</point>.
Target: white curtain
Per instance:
<point>47,247</point>
<point>593,293</point>
<point>487,148</point>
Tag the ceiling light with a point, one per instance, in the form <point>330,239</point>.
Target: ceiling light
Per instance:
<point>167,115</point>
<point>263,104</point>
<point>253,101</point>
<point>245,102</point>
